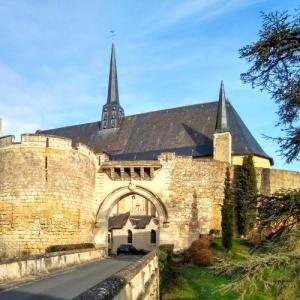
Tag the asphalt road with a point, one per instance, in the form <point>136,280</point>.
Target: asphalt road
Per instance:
<point>69,284</point>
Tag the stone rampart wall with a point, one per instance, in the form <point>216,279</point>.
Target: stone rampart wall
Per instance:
<point>46,194</point>
<point>273,180</point>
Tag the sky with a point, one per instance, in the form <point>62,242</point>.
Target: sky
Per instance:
<point>54,60</point>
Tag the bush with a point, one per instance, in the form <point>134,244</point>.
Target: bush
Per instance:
<point>203,257</point>
<point>56,248</point>
<point>166,266</point>
<point>202,243</point>
<point>199,252</point>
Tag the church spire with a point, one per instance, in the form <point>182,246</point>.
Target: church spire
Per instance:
<point>221,124</point>
<point>112,112</point>
<point>113,92</point>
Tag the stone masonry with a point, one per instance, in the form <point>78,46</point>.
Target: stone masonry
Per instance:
<point>46,194</point>
<point>52,193</point>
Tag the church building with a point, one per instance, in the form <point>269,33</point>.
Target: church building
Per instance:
<point>145,179</point>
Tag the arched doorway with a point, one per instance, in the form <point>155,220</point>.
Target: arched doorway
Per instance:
<point>105,208</point>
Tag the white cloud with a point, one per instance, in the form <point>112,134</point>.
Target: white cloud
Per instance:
<point>29,104</point>
<point>201,10</point>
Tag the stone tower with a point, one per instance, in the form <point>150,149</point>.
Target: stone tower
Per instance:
<point>222,136</point>
<point>112,112</point>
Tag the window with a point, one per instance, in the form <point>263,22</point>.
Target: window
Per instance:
<point>129,237</point>
<point>153,237</point>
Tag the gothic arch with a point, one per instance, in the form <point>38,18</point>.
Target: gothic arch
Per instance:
<point>115,196</point>
<point>111,199</point>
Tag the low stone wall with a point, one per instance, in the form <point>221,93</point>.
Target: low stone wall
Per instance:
<point>135,282</point>
<point>16,269</point>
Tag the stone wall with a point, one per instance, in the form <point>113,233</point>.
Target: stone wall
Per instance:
<point>137,281</point>
<point>259,162</point>
<point>16,269</point>
<point>272,180</point>
<point>191,191</point>
<point>46,194</point>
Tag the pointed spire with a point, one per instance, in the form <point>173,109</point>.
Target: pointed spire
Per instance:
<point>112,112</point>
<point>113,92</point>
<point>221,124</point>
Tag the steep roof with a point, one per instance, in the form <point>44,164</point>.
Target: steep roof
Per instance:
<point>186,130</point>
<point>118,222</point>
<point>138,222</point>
<point>141,222</point>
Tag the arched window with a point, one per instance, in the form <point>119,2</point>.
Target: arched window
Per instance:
<point>129,237</point>
<point>153,237</point>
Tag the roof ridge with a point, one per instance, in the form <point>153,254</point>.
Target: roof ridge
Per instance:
<point>172,108</point>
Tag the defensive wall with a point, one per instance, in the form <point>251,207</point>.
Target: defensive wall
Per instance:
<point>46,194</point>
<point>186,192</point>
<point>52,193</point>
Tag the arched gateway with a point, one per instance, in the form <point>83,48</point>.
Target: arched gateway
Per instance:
<point>101,227</point>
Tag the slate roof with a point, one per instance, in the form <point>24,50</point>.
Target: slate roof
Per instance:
<point>118,222</point>
<point>138,222</point>
<point>186,130</point>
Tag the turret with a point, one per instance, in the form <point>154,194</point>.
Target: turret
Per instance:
<point>222,136</point>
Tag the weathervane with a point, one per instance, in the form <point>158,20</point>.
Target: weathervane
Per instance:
<point>112,35</point>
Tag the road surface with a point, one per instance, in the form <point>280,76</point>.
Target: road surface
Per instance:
<point>69,284</point>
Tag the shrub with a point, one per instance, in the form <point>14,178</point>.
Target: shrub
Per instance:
<point>56,248</point>
<point>199,252</point>
<point>166,266</point>
<point>203,257</point>
<point>202,243</point>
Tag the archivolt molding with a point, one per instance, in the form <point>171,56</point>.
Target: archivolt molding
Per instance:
<point>131,189</point>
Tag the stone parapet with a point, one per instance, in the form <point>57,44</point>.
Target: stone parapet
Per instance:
<point>137,281</point>
<point>45,141</point>
<point>19,268</point>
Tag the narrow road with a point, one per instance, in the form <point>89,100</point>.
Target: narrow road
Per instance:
<point>69,284</point>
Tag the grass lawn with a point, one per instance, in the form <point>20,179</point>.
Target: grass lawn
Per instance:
<point>195,282</point>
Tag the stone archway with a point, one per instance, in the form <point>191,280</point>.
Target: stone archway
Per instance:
<point>111,199</point>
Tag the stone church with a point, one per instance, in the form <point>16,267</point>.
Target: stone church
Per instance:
<point>146,179</point>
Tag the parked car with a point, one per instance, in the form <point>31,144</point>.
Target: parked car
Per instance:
<point>129,249</point>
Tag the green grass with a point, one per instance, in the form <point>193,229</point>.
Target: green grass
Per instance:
<point>198,283</point>
<point>193,282</point>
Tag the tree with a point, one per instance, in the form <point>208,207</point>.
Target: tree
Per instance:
<point>246,195</point>
<point>227,214</point>
<point>275,263</point>
<point>275,68</point>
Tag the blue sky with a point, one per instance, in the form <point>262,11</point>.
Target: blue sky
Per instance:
<point>54,59</point>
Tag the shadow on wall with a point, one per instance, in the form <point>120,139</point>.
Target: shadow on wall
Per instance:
<point>20,295</point>
<point>194,223</point>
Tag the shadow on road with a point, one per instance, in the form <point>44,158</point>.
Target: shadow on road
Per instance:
<point>124,257</point>
<point>19,295</point>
